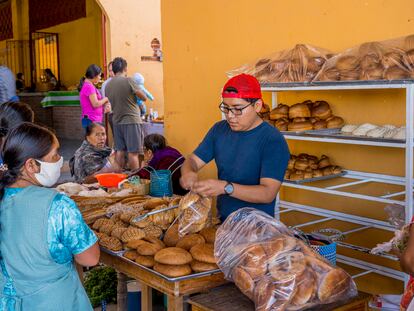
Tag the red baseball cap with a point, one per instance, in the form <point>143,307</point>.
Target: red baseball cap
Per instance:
<point>246,86</point>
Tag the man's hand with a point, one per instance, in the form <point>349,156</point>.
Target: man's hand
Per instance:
<point>188,180</point>
<point>209,187</point>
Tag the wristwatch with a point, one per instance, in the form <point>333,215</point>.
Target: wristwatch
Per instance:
<point>228,188</point>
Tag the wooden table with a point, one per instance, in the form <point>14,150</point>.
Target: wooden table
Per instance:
<point>228,297</point>
<point>175,291</point>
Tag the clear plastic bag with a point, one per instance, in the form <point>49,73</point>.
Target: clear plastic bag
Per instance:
<point>384,60</point>
<point>396,215</point>
<point>273,268</point>
<point>195,213</point>
<point>299,64</point>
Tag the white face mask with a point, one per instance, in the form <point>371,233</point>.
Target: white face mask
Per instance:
<point>49,172</point>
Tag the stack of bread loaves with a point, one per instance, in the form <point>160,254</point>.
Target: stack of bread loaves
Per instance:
<point>305,166</point>
<point>274,269</point>
<point>305,116</point>
<point>375,131</point>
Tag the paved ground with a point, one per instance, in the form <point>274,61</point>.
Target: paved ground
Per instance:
<point>67,150</point>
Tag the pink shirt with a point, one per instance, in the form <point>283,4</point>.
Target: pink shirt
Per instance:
<point>94,114</point>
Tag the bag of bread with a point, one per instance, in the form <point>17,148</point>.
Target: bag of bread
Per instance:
<point>273,268</point>
<point>195,212</point>
<point>378,60</point>
<point>299,64</point>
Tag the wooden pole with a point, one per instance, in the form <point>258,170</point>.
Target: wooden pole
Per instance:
<point>122,292</point>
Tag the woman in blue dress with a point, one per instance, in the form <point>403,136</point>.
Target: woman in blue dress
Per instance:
<point>42,232</point>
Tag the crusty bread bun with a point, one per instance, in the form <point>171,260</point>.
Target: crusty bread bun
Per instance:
<point>282,124</point>
<point>300,126</point>
<point>313,120</point>
<point>299,119</point>
<point>127,216</point>
<point>324,161</point>
<point>264,295</point>
<point>188,241</point>
<point>347,62</point>
<point>277,245</point>
<point>308,173</point>
<point>317,173</point>
<point>301,164</point>
<point>332,170</point>
<point>209,234</point>
<point>131,255</point>
<point>331,74</point>
<point>203,253</point>
<point>299,111</point>
<point>133,244</point>
<point>374,73</point>
<point>171,236</point>
<point>254,261</point>
<point>243,281</point>
<point>102,221</point>
<point>333,284</point>
<point>306,287</point>
<point>288,266</point>
<point>146,261</point>
<point>322,124</point>
<point>393,58</point>
<point>111,243</point>
<point>173,256</point>
<point>198,266</point>
<point>396,73</point>
<point>349,75</point>
<point>117,232</point>
<point>315,64</point>
<point>298,175</point>
<point>107,229</point>
<point>291,164</point>
<point>287,174</point>
<point>152,231</point>
<point>154,202</point>
<point>150,247</point>
<point>370,61</point>
<point>132,233</point>
<point>172,271</point>
<point>281,111</point>
<point>321,109</point>
<point>334,122</point>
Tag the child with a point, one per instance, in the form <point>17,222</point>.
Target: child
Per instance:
<point>139,80</point>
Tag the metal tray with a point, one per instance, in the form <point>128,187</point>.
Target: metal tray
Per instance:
<point>302,181</point>
<point>177,279</point>
<point>316,132</point>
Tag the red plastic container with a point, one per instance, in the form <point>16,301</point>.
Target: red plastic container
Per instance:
<point>110,180</point>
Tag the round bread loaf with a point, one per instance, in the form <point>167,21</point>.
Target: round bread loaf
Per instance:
<point>154,202</point>
<point>146,261</point>
<point>209,234</point>
<point>273,247</point>
<point>331,74</point>
<point>243,281</point>
<point>321,109</point>
<point>347,62</point>
<point>254,261</point>
<point>198,266</point>
<point>370,61</point>
<point>322,124</point>
<point>333,284</point>
<point>308,173</point>
<point>172,271</point>
<point>173,256</point>
<point>150,247</point>
<point>299,111</point>
<point>203,253</point>
<point>107,228</point>
<point>117,232</point>
<point>264,295</point>
<point>313,120</point>
<point>281,111</point>
<point>306,287</point>
<point>152,231</point>
<point>102,221</point>
<point>334,122</point>
<point>298,175</point>
<point>300,126</point>
<point>324,161</point>
<point>131,255</point>
<point>133,244</point>
<point>132,233</point>
<point>188,241</point>
<point>282,124</point>
<point>396,73</point>
<point>317,173</point>
<point>171,237</point>
<point>111,243</point>
<point>374,73</point>
<point>301,164</point>
<point>287,265</point>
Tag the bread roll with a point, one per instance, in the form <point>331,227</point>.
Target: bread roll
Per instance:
<point>300,126</point>
<point>306,287</point>
<point>150,247</point>
<point>254,261</point>
<point>117,232</point>
<point>334,122</point>
<point>110,243</point>
<point>298,175</point>
<point>132,234</point>
<point>347,62</point>
<point>321,109</point>
<point>188,241</point>
<point>127,216</point>
<point>154,202</point>
<point>333,284</point>
<point>282,124</point>
<point>107,229</point>
<point>324,161</point>
<point>301,164</point>
<point>313,120</point>
<point>152,231</point>
<point>198,266</point>
<point>172,271</point>
<point>203,253</point>
<point>319,125</point>
<point>131,255</point>
<point>299,111</point>
<point>281,111</point>
<point>209,234</point>
<point>102,221</point>
<point>396,73</point>
<point>289,265</point>
<point>331,74</point>
<point>308,173</point>
<point>173,256</point>
<point>266,290</point>
<point>291,164</point>
<point>317,173</point>
<point>299,119</point>
<point>390,59</point>
<point>370,61</point>
<point>243,281</point>
<point>171,236</point>
<point>363,129</point>
<point>146,261</point>
<point>134,244</point>
<point>349,75</point>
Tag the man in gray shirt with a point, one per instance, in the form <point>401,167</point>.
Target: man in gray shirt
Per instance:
<point>7,85</point>
<point>127,122</point>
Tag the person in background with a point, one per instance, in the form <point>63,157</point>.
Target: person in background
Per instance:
<point>93,105</point>
<point>159,156</point>
<point>103,87</point>
<point>127,122</point>
<point>51,79</point>
<point>13,114</point>
<point>139,80</point>
<point>20,83</point>
<point>7,86</point>
<point>251,155</point>
<point>93,156</point>
<point>407,265</point>
<point>42,231</point>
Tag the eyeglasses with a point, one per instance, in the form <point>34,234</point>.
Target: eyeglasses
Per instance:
<point>234,111</point>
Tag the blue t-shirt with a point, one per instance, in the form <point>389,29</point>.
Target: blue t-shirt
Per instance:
<point>244,158</point>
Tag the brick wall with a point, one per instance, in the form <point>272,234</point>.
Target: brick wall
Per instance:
<point>67,122</point>
<point>43,116</point>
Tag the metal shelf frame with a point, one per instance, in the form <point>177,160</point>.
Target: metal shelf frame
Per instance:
<point>360,177</point>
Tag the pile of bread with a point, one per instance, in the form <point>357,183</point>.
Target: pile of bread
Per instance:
<point>388,60</point>
<point>305,166</point>
<point>375,131</point>
<point>305,116</point>
<point>301,63</point>
<point>274,269</point>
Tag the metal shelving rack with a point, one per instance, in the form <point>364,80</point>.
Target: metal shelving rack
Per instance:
<point>357,178</point>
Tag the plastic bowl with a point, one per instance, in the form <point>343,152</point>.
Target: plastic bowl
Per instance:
<point>110,180</point>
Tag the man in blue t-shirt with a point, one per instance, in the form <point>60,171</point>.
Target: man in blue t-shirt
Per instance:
<point>251,155</point>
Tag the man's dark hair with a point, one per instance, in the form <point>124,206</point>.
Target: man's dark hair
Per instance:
<point>19,75</point>
<point>118,65</point>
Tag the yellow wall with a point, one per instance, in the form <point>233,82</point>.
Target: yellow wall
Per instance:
<point>132,26</point>
<point>204,39</point>
<point>79,44</point>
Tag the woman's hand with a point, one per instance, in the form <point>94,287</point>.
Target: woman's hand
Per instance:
<point>107,107</point>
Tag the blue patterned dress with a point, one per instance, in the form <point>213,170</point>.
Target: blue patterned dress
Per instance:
<point>67,235</point>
